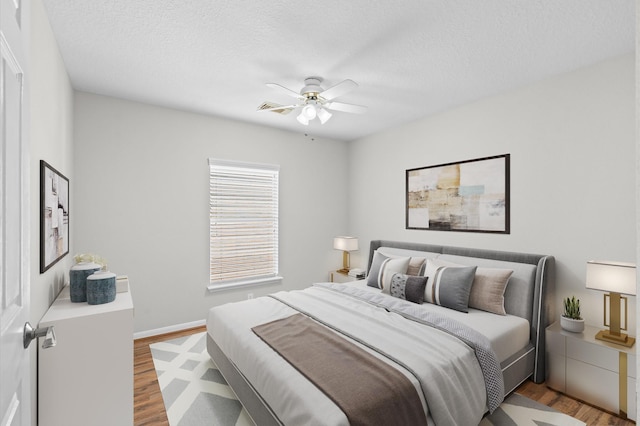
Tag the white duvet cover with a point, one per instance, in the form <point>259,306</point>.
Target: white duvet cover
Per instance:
<point>455,388</point>
<point>508,334</point>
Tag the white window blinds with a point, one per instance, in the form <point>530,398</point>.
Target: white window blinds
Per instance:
<point>243,222</point>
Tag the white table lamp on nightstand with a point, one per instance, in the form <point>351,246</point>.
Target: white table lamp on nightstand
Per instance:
<point>617,278</point>
<point>346,244</point>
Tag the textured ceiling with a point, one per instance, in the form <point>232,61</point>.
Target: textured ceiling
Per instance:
<point>411,58</point>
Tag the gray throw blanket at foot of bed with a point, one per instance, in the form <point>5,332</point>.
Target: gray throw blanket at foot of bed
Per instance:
<point>367,389</point>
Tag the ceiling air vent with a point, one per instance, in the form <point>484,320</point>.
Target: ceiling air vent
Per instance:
<point>270,105</point>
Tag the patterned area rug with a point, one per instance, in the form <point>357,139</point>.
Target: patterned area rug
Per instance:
<point>193,390</point>
<point>196,394</point>
<point>518,410</point>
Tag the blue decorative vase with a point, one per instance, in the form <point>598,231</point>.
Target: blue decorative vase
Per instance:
<point>78,280</point>
<point>101,288</point>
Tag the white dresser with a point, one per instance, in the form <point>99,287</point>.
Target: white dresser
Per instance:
<point>87,378</point>
<point>597,372</point>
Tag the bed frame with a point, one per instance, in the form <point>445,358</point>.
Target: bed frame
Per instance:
<point>532,301</point>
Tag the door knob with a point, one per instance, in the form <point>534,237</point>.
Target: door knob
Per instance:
<point>31,333</point>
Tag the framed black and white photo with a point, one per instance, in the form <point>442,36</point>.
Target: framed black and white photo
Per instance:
<point>466,196</point>
<point>54,216</point>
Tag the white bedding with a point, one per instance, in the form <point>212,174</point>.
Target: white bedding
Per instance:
<point>507,334</point>
<point>297,401</point>
<point>294,399</point>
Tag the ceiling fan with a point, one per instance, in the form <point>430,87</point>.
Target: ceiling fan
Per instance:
<point>314,101</point>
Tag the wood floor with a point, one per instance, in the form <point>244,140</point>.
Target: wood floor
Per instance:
<point>149,408</point>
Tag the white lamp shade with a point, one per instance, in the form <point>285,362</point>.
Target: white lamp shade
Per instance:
<point>324,115</point>
<point>309,111</point>
<point>302,119</point>
<point>345,243</point>
<point>617,277</point>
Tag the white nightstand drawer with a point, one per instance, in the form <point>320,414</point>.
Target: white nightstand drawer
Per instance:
<point>601,356</point>
<point>587,382</point>
<point>589,369</point>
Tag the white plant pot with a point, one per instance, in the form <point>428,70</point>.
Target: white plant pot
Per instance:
<point>572,325</point>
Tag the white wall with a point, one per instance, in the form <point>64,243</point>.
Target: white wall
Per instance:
<point>51,140</point>
<point>141,201</point>
<point>571,140</point>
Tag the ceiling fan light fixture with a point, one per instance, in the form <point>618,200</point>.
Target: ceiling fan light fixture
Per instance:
<point>315,102</point>
<point>302,119</point>
<point>309,111</point>
<point>324,115</point>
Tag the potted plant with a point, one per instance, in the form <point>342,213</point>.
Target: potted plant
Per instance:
<point>571,319</point>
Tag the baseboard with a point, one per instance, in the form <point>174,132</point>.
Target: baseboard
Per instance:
<point>169,329</point>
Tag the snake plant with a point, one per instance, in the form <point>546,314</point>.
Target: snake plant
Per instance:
<point>572,308</point>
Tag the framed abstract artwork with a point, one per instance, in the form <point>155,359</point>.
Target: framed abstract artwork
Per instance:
<point>54,216</point>
<point>466,196</point>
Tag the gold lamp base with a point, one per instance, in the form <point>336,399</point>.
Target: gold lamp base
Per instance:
<point>620,339</point>
<point>345,263</point>
<point>614,333</point>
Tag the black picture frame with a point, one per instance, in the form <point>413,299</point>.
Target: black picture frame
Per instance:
<point>464,196</point>
<point>54,216</point>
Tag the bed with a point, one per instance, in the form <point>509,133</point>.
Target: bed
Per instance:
<point>480,353</point>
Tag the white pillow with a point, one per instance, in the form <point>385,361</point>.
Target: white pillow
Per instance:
<point>416,264</point>
<point>390,267</point>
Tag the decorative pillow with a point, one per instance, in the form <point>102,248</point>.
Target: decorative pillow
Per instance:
<point>417,266</point>
<point>382,265</point>
<point>449,286</point>
<point>487,291</point>
<point>407,287</point>
<point>374,269</point>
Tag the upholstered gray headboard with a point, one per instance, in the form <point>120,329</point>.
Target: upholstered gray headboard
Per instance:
<point>529,294</point>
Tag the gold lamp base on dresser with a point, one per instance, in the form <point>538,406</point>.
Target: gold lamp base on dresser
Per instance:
<point>620,339</point>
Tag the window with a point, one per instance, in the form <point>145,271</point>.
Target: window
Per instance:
<point>243,223</point>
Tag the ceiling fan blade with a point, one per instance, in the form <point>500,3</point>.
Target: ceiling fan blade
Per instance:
<point>285,90</point>
<point>339,89</point>
<point>340,106</point>
<point>277,107</point>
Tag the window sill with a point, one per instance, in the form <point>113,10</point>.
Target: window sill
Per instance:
<point>249,283</point>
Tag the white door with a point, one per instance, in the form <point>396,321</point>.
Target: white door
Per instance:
<point>15,393</point>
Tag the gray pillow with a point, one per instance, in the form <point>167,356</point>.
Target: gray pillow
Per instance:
<point>487,289</point>
<point>374,270</point>
<point>407,287</point>
<point>449,286</point>
<point>383,267</point>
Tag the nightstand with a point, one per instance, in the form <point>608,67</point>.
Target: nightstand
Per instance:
<point>596,372</point>
<point>341,277</point>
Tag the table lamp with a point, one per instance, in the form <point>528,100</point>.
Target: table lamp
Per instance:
<point>346,244</point>
<point>617,278</point>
